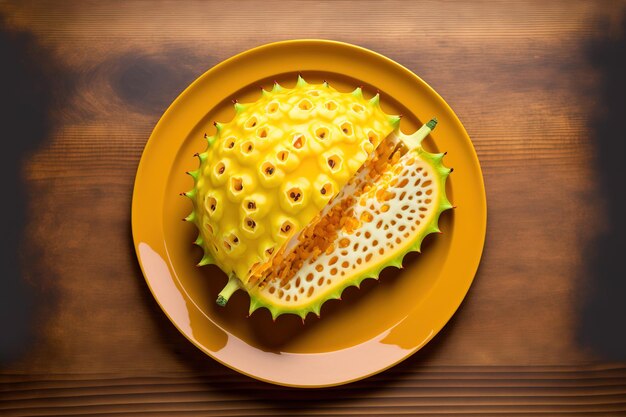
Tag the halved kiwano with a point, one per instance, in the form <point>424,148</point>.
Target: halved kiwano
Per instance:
<point>308,191</point>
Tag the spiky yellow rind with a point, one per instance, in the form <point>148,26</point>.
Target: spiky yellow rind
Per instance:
<point>258,183</point>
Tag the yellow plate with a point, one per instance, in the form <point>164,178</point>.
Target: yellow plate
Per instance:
<point>373,327</point>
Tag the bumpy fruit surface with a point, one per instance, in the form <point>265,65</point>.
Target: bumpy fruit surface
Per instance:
<point>308,191</point>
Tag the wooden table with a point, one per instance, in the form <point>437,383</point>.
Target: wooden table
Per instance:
<point>539,87</point>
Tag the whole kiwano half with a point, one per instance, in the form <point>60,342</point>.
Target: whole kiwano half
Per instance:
<point>308,191</point>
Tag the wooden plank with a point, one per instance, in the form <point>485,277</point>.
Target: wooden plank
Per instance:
<point>434,390</point>
<point>520,77</point>
<point>99,152</point>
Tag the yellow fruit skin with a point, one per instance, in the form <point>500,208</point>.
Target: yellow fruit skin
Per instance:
<point>260,179</point>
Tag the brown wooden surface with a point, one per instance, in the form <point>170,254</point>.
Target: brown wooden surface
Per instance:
<point>520,76</point>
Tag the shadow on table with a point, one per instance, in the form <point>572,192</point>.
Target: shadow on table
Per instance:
<point>601,325</point>
<point>32,87</point>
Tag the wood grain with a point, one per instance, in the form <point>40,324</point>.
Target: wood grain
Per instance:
<point>435,390</point>
<point>519,76</point>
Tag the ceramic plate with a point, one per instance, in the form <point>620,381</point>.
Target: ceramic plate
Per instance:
<point>373,327</point>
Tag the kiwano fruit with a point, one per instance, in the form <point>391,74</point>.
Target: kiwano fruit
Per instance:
<point>308,191</point>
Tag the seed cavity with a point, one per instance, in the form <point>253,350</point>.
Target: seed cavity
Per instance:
<point>346,128</point>
<point>250,205</point>
<point>249,224</point>
<point>272,107</point>
<point>251,122</point>
<point>286,227</point>
<point>314,93</point>
<point>326,189</point>
<point>233,239</point>
<point>247,147</point>
<point>211,204</point>
<point>262,132</point>
<point>220,168</point>
<point>357,108</point>
<point>282,156</point>
<point>229,143</point>
<point>294,194</point>
<point>322,133</point>
<point>330,105</point>
<point>334,162</point>
<point>236,184</point>
<point>305,104</point>
<point>298,141</point>
<point>268,169</point>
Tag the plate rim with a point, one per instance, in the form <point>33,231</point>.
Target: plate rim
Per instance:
<point>310,42</point>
